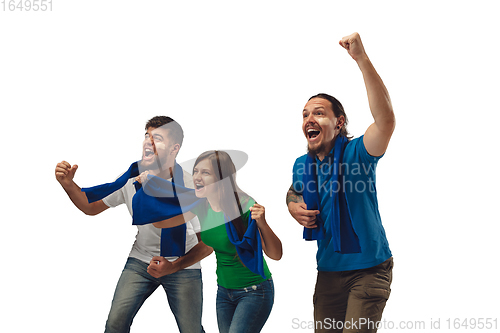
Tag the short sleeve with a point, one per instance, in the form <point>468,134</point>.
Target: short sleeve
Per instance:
<point>358,158</point>
<point>115,199</point>
<point>298,172</point>
<point>363,153</point>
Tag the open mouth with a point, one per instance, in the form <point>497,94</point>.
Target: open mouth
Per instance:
<point>312,133</point>
<point>148,153</point>
<point>199,186</point>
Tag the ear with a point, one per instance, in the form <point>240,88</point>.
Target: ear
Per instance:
<point>175,149</point>
<point>340,121</point>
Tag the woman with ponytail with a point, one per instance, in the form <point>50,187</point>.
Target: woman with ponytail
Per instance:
<point>234,225</point>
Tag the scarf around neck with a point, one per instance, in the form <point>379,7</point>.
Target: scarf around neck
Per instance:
<point>342,233</point>
<point>146,208</point>
<point>159,199</point>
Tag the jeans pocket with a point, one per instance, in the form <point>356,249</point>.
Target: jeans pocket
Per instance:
<point>377,292</point>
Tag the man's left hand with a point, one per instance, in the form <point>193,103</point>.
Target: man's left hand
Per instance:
<point>160,266</point>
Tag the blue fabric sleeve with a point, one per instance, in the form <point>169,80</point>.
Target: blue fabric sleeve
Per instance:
<point>363,153</point>
<point>298,172</point>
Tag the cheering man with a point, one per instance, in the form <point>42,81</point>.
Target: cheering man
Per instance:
<point>145,270</point>
<point>333,196</point>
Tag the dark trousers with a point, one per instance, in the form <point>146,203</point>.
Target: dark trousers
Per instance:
<point>352,301</point>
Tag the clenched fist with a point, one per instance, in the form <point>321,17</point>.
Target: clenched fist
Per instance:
<point>65,173</point>
<point>258,213</point>
<point>301,214</point>
<point>353,45</point>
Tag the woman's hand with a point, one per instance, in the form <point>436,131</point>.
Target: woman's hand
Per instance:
<point>258,214</point>
<point>271,244</point>
<point>142,178</point>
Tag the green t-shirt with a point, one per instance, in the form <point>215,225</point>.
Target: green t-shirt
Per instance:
<point>231,273</point>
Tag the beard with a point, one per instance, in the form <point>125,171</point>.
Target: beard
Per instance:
<point>315,151</point>
<point>323,148</point>
<point>154,166</point>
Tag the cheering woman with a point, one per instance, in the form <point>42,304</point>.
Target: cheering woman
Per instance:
<point>234,225</point>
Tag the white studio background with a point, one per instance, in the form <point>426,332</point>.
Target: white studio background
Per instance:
<point>80,81</point>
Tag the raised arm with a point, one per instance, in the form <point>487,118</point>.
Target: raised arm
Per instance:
<point>378,134</point>
<point>65,173</point>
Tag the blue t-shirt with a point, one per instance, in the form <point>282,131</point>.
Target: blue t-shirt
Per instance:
<point>358,174</point>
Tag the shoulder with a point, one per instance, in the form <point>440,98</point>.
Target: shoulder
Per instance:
<point>246,201</point>
<point>353,146</point>
<point>201,210</point>
<point>301,159</point>
<point>122,195</point>
<point>356,150</point>
<point>299,163</point>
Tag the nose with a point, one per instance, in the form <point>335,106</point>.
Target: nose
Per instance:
<point>308,119</point>
<point>149,142</point>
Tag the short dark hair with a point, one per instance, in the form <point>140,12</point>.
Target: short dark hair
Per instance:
<point>338,110</point>
<point>175,132</point>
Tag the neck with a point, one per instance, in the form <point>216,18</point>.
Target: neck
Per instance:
<point>215,204</point>
<point>328,148</point>
<point>321,156</point>
<point>167,171</point>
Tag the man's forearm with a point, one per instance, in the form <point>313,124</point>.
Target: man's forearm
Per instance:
<point>197,253</point>
<point>292,196</point>
<point>80,200</point>
<point>378,96</point>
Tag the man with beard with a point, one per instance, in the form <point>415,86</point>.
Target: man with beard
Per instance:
<point>333,196</point>
<point>145,269</point>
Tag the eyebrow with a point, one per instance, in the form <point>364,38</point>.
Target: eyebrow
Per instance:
<point>204,169</point>
<point>154,134</point>
<point>316,108</point>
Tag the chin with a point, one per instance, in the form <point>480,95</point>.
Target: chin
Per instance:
<point>314,150</point>
<point>148,162</point>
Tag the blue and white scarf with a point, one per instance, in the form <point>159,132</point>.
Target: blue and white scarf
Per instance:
<point>160,199</point>
<point>148,208</point>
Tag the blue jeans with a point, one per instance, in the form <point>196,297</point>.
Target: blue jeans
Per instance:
<point>183,289</point>
<point>244,310</point>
